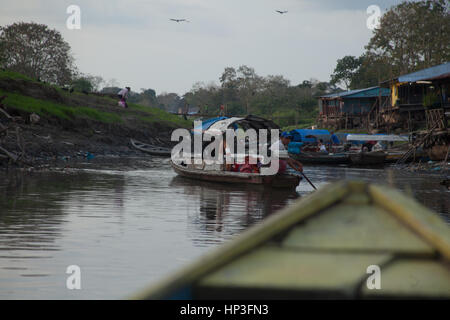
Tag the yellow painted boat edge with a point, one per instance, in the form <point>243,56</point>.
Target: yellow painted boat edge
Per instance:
<point>427,225</point>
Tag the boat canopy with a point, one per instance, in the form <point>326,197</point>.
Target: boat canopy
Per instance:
<point>249,122</point>
<point>222,125</point>
<point>377,137</point>
<point>206,124</point>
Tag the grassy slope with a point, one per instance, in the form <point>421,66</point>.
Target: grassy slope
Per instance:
<point>46,108</point>
<point>112,114</point>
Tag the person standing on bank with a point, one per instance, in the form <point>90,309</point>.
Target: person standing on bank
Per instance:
<point>123,96</point>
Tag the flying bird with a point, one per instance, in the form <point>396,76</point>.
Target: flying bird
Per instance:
<point>180,20</point>
<point>281,12</point>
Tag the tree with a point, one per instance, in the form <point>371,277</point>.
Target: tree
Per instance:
<point>413,35</point>
<point>96,82</point>
<point>169,101</point>
<point>36,51</point>
<point>87,83</point>
<point>112,83</point>
<point>206,97</point>
<point>248,83</point>
<point>373,70</point>
<point>147,97</point>
<point>110,90</point>
<point>345,70</point>
<point>82,84</point>
<point>273,96</point>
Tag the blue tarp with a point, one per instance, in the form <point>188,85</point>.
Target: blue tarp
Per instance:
<point>300,135</point>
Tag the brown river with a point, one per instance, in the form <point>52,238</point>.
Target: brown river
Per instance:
<point>129,223</point>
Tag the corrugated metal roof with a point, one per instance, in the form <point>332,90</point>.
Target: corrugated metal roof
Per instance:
<point>433,73</point>
<point>359,93</point>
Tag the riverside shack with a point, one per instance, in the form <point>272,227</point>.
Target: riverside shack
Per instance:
<point>350,109</point>
<point>419,100</point>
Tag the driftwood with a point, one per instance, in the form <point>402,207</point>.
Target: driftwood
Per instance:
<point>6,114</point>
<point>11,155</point>
<point>4,153</point>
<point>416,145</point>
<point>3,128</point>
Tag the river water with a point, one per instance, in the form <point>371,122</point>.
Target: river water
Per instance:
<point>128,223</point>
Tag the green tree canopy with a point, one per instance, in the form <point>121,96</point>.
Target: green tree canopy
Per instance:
<point>412,35</point>
<point>345,70</point>
<point>36,51</point>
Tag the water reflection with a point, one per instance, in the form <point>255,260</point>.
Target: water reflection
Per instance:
<point>129,223</point>
<point>228,209</point>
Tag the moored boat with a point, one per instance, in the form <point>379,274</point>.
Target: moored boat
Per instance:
<point>218,172</point>
<point>198,172</point>
<point>329,245</point>
<point>368,158</point>
<point>150,149</point>
<point>321,158</point>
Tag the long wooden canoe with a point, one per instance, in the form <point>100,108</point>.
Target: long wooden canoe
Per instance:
<point>326,246</point>
<point>275,181</point>
<point>150,149</point>
<point>368,158</point>
<point>321,158</point>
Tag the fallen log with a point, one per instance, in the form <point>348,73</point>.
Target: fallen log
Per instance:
<point>3,128</point>
<point>20,142</point>
<point>11,155</point>
<point>6,114</point>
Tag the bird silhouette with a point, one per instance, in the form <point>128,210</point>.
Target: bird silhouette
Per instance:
<point>179,20</point>
<point>281,12</point>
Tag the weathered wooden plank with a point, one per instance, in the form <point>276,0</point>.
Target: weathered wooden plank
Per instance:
<point>272,268</point>
<point>412,279</point>
<point>416,217</point>
<point>362,227</point>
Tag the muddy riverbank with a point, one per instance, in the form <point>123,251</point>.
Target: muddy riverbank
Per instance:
<point>40,123</point>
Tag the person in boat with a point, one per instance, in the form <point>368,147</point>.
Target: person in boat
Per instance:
<point>281,146</point>
<point>334,139</point>
<point>378,147</point>
<point>322,147</point>
<point>249,166</point>
<point>368,146</point>
<point>123,96</point>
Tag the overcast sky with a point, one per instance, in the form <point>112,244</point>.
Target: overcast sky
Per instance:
<point>134,42</point>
